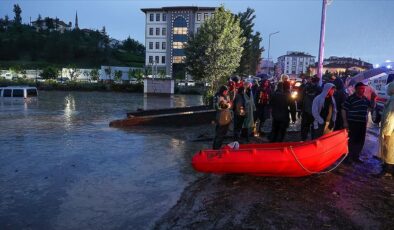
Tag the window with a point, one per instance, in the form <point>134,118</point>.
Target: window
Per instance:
<point>150,31</point>
<point>157,59</point>
<point>179,30</point>
<point>205,16</point>
<point>7,92</point>
<point>157,45</point>
<point>199,17</point>
<point>213,14</point>
<point>178,45</point>
<point>163,45</point>
<point>157,17</point>
<point>17,93</point>
<point>198,29</point>
<point>157,31</point>
<point>178,59</point>
<point>164,31</point>
<point>31,93</point>
<point>151,17</point>
<point>164,17</point>
<point>151,45</point>
<point>150,59</point>
<point>163,59</point>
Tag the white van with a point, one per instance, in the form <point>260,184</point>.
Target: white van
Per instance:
<point>15,92</point>
<point>379,84</point>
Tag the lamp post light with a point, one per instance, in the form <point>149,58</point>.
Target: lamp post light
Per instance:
<point>321,44</point>
<point>269,46</point>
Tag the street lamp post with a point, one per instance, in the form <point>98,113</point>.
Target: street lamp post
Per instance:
<point>269,46</point>
<point>321,44</point>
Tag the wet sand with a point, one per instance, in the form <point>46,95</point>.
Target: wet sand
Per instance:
<point>350,197</point>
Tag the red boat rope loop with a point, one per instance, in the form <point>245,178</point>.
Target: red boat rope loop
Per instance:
<point>312,172</point>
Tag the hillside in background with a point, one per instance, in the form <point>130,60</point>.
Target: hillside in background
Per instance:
<point>24,47</point>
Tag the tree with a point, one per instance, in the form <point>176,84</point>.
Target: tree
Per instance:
<point>130,74</point>
<point>213,54</point>
<point>118,75</point>
<point>139,75</point>
<point>18,12</point>
<point>39,21</point>
<point>73,72</point>
<point>94,74</point>
<point>252,51</point>
<point>49,73</point>
<point>108,72</point>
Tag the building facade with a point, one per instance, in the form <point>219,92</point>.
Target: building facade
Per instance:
<point>340,65</point>
<point>295,63</point>
<point>167,30</point>
<point>51,25</point>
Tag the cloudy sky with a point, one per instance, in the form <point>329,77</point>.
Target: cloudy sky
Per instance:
<point>355,28</point>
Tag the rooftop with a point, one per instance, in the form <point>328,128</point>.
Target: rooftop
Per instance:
<point>172,8</point>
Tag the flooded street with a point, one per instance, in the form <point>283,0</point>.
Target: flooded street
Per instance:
<point>62,167</point>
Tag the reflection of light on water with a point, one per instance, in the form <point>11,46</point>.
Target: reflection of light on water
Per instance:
<point>68,110</point>
<point>175,143</point>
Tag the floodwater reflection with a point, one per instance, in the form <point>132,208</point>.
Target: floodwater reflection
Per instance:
<point>60,157</point>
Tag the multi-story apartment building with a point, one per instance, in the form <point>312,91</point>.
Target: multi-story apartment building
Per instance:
<point>166,32</point>
<point>347,61</point>
<point>295,63</point>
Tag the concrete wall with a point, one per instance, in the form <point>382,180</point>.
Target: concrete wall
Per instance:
<point>159,86</point>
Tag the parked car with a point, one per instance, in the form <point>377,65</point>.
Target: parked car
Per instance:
<point>379,84</point>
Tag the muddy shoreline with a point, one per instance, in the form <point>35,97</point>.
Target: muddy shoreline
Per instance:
<point>350,197</point>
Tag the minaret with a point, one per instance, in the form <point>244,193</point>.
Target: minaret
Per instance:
<point>76,20</point>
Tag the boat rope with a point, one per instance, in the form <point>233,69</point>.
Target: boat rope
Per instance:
<point>312,172</point>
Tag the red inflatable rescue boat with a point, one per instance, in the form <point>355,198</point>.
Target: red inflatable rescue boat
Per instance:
<point>289,159</point>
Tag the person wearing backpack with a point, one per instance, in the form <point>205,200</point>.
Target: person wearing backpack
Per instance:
<point>308,93</point>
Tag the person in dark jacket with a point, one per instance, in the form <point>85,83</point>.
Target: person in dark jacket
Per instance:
<point>308,93</point>
<point>222,102</point>
<point>262,104</point>
<point>239,112</point>
<point>282,106</point>
<point>340,96</point>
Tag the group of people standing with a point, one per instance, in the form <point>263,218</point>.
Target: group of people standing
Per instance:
<point>322,109</point>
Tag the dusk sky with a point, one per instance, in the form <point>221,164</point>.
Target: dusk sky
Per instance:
<point>355,28</point>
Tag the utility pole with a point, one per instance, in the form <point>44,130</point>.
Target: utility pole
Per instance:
<point>269,46</point>
<point>321,44</point>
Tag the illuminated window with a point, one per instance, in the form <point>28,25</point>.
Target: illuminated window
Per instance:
<point>179,30</point>
<point>178,59</point>
<point>178,45</point>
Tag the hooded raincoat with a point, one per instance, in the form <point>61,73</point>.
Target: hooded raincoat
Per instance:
<point>318,104</point>
<point>386,147</point>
